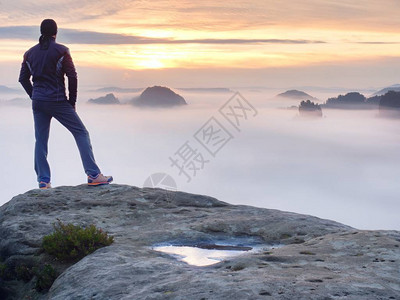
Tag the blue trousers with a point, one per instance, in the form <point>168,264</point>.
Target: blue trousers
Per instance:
<point>43,112</point>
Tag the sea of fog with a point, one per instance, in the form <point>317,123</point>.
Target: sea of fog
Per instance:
<point>344,166</point>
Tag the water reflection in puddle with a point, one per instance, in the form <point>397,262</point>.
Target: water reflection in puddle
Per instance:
<point>205,255</point>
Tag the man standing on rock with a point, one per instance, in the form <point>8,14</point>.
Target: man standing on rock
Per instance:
<point>47,63</point>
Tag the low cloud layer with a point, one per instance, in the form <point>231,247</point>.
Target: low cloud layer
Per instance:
<point>342,167</point>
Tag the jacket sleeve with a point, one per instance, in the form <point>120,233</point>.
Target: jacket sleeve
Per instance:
<point>69,70</point>
<point>25,77</point>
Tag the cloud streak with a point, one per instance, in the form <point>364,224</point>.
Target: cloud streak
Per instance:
<point>73,36</point>
<point>378,43</point>
<point>208,15</point>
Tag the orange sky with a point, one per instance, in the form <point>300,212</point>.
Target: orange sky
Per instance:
<point>209,34</point>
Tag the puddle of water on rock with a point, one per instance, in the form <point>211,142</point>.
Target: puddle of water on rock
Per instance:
<point>206,255</point>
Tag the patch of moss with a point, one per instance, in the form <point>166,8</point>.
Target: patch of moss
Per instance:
<point>285,236</point>
<point>298,241</point>
<point>307,253</point>
<point>45,278</point>
<point>70,242</point>
<point>238,267</point>
<point>3,270</point>
<point>24,273</point>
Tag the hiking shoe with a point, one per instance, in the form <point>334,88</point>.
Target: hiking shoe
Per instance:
<point>100,179</point>
<point>44,185</point>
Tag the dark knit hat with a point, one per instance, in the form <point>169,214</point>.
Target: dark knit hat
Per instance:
<point>48,27</point>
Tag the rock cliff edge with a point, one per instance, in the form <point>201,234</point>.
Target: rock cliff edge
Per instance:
<point>318,259</point>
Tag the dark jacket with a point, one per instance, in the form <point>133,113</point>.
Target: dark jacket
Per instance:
<point>47,68</point>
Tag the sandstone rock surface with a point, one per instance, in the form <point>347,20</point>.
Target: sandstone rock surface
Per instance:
<point>319,259</point>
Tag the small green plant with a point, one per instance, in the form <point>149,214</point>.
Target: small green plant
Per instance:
<point>3,270</point>
<point>45,278</point>
<point>307,252</point>
<point>69,242</point>
<point>24,273</point>
<point>285,236</point>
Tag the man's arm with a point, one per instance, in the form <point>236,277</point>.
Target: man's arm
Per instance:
<point>69,69</point>
<point>25,77</point>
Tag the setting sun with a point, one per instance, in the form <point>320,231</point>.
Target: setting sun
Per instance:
<point>150,63</point>
<point>254,36</point>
